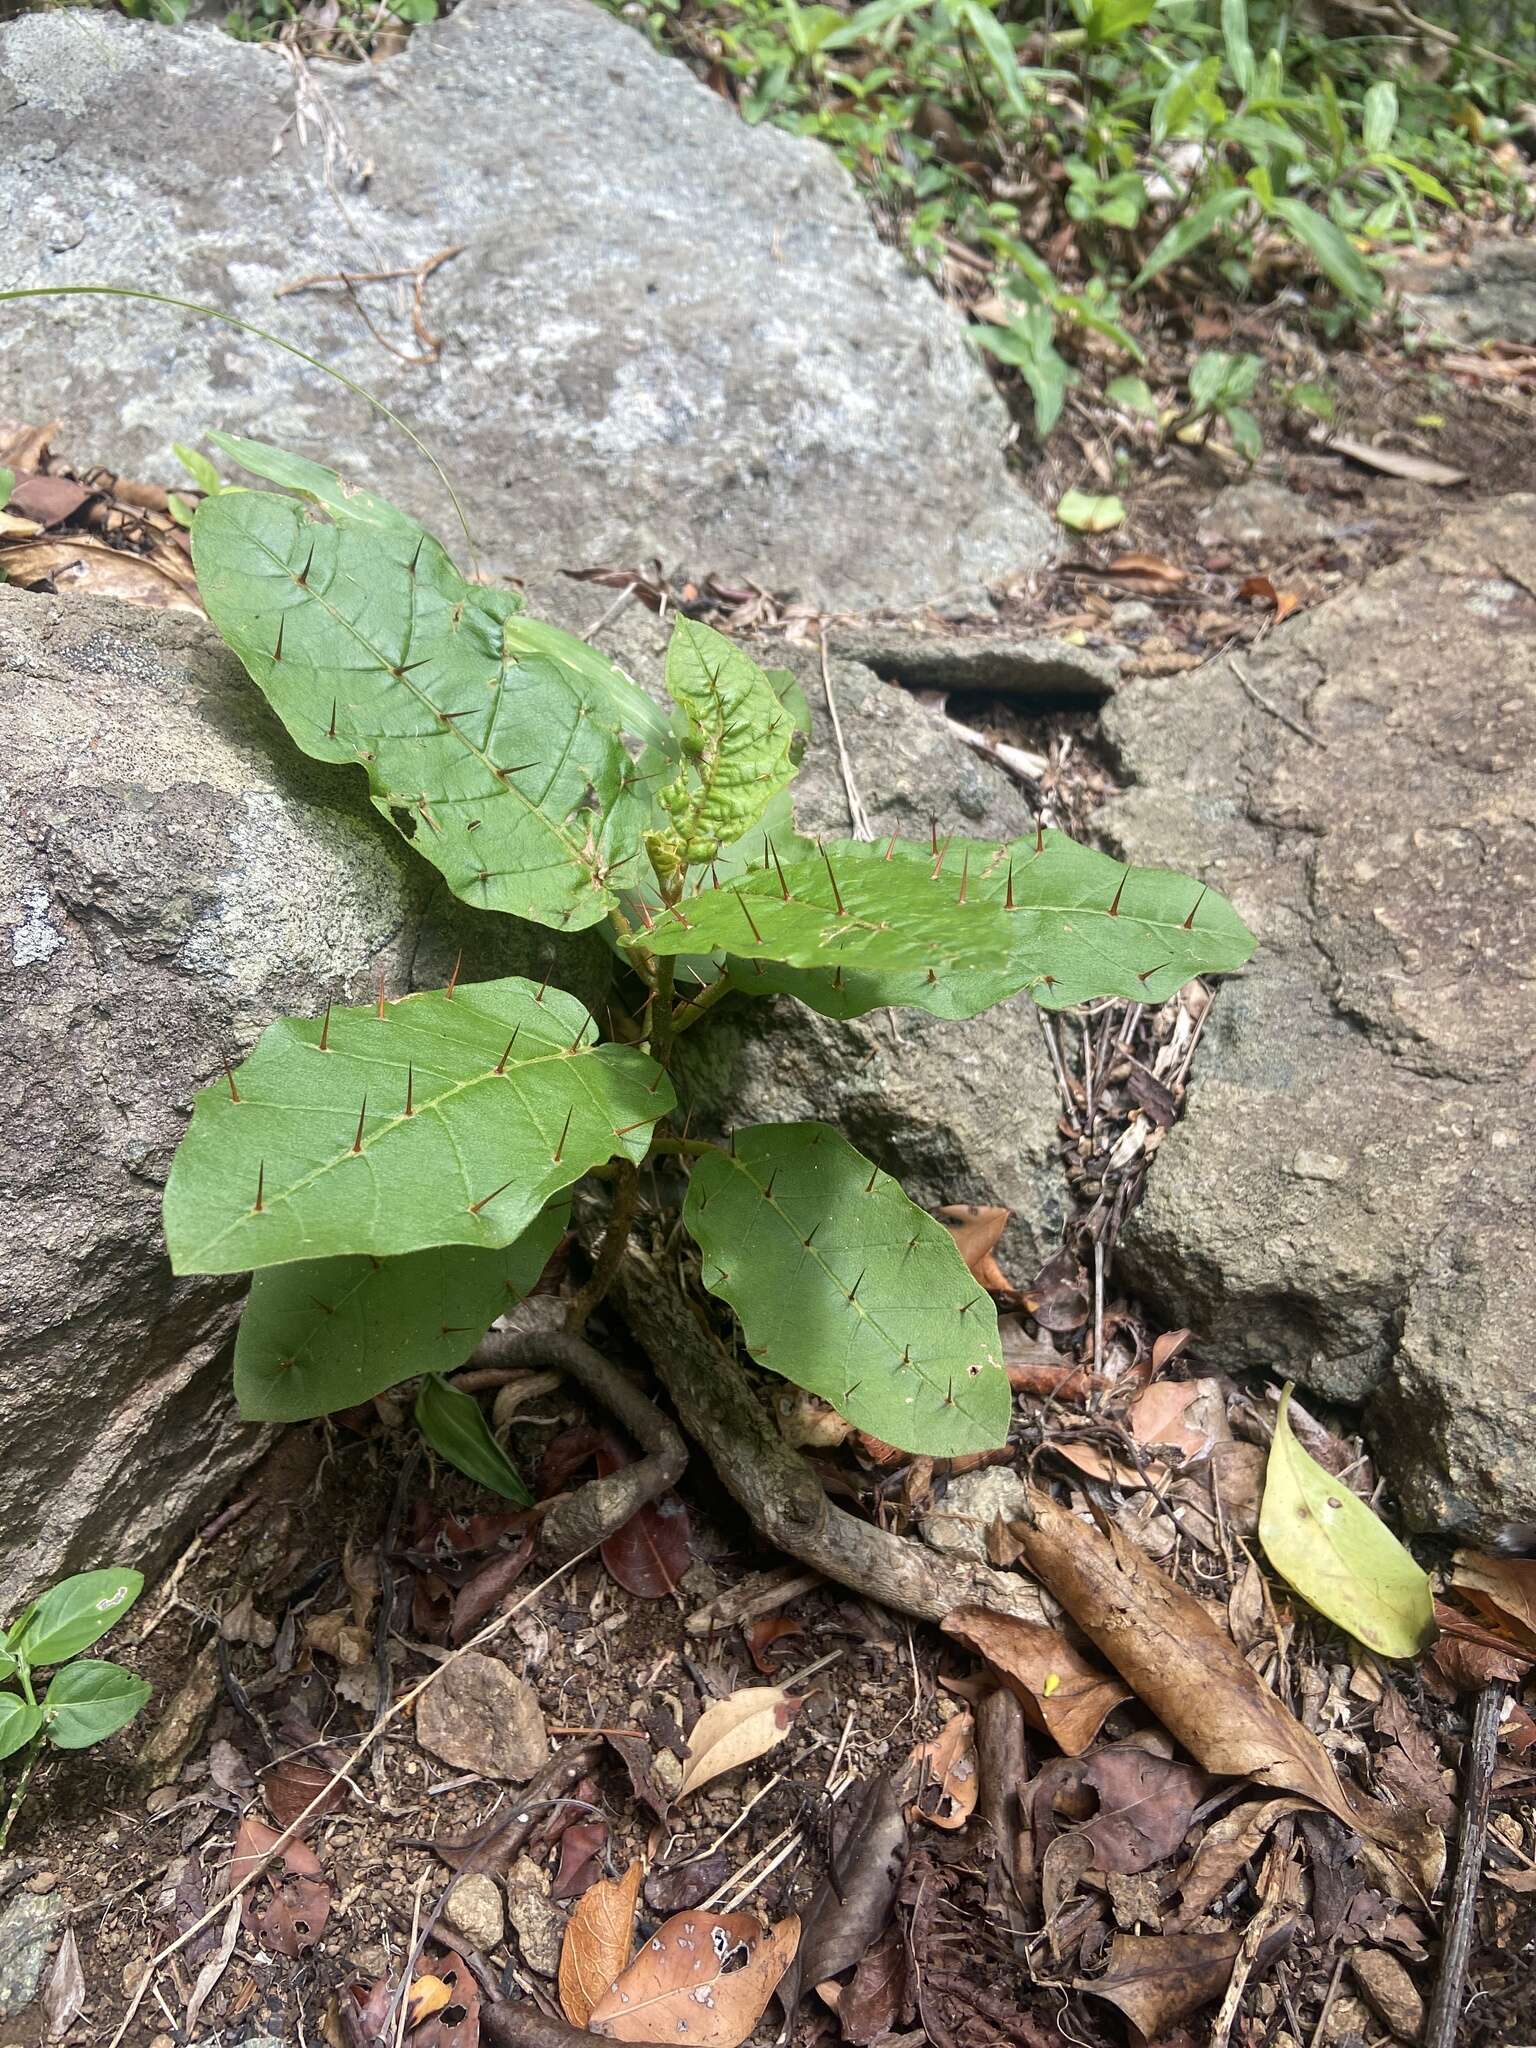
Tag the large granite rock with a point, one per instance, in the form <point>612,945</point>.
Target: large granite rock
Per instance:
<point>1484,293</point>
<point>172,875</point>
<point>668,334</point>
<point>1350,1199</point>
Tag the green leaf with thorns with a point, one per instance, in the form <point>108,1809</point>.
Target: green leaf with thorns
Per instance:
<point>323,1334</point>
<point>1077,926</point>
<point>492,741</point>
<point>847,1288</point>
<point>449,1117</point>
<point>735,750</point>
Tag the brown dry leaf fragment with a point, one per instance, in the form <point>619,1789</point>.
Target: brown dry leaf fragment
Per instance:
<point>976,1231</point>
<point>875,1997</point>
<point>1417,469</point>
<point>702,1977</point>
<point>427,1995</point>
<point>1159,1415</point>
<point>486,1588</point>
<point>64,2000</point>
<point>1227,1844</point>
<point>1178,1662</point>
<point>853,1901</point>
<point>940,1782</point>
<point>1156,1980</point>
<point>1064,1694</point>
<point>1470,1655</point>
<point>455,2024</point>
<point>598,1939</point>
<point>50,500</point>
<point>1262,591</point>
<point>86,565</point>
<point>653,1550</point>
<point>1145,1804</point>
<point>762,1634</point>
<point>1507,1585</point>
<point>287,1908</point>
<point>737,1731</point>
<point>1150,571</point>
<point>635,1755</point>
<point>581,1850</point>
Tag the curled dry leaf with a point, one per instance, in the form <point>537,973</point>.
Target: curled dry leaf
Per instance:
<point>598,1939</point>
<point>653,1550</point>
<point>287,1908</point>
<point>853,1901</point>
<point>976,1231</point>
<point>581,1849</point>
<point>1156,1980</point>
<point>702,1977</point>
<point>1064,1694</point>
<point>763,1633</point>
<point>1503,1589</point>
<point>1231,1840</point>
<point>427,1995</point>
<point>736,1731</point>
<point>941,1782</point>
<point>1145,1804</point>
<point>1328,1546</point>
<point>1187,1670</point>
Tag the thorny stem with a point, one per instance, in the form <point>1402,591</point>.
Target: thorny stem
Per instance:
<point>688,1148</point>
<point>663,1024</point>
<point>688,1012</point>
<point>621,1215</point>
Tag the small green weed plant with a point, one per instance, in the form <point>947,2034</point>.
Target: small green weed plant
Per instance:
<point>86,1699</point>
<point>395,1174</point>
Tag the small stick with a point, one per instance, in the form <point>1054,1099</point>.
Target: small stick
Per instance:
<point>1313,739</point>
<point>610,615</point>
<point>858,817</point>
<point>1456,1949</point>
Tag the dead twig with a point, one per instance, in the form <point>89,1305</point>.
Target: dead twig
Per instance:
<point>1460,1920</point>
<point>1251,689</point>
<point>349,280</point>
<point>858,817</point>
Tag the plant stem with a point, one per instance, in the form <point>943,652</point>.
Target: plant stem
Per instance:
<point>621,1215</point>
<point>30,1756</point>
<point>688,1012</point>
<point>663,1027</point>
<point>688,1148</point>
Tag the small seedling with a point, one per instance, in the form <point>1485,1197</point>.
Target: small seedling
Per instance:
<point>396,1173</point>
<point>86,1700</point>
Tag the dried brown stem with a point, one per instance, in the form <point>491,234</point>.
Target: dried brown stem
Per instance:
<point>508,2023</point>
<point>716,1404</point>
<point>1461,1917</point>
<point>592,1514</point>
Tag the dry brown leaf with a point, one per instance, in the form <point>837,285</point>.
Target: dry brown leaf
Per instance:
<point>1503,1588</point>
<point>1262,591</point>
<point>287,1908</point>
<point>736,1731</point>
<point>1418,469</point>
<point>976,1231</point>
<point>1132,1807</point>
<point>941,1780</point>
<point>1159,1415</point>
<point>1181,1665</point>
<point>427,1995</point>
<point>1227,1844</point>
<point>1156,1980</point>
<point>1150,571</point>
<point>598,1939</point>
<point>86,565</point>
<point>705,1977</point>
<point>1064,1694</point>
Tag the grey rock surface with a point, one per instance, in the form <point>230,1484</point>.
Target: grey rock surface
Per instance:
<point>28,1923</point>
<point>172,876</point>
<point>958,1112</point>
<point>668,334</point>
<point>1487,293</point>
<point>1029,667</point>
<point>1260,514</point>
<point>958,1523</point>
<point>1350,1198</point>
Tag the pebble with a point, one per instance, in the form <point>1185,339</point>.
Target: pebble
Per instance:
<point>475,1910</point>
<point>540,1925</point>
<point>480,1716</point>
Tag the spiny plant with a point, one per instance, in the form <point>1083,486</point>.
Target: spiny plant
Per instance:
<point>87,1699</point>
<point>395,1174</point>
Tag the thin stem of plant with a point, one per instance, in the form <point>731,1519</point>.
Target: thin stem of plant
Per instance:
<point>626,1196</point>
<point>858,817</point>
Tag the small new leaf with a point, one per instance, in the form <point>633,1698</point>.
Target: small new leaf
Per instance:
<point>314,1154</point>
<point>1327,1545</point>
<point>848,1289</point>
<point>734,753</point>
<point>74,1614</point>
<point>455,1427</point>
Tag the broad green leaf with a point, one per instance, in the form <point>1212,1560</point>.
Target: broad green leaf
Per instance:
<point>845,1287</point>
<point>1420,180</point>
<point>1000,53</point>
<point>1107,20</point>
<point>455,1427</point>
<point>851,906</point>
<point>449,1117</point>
<point>1132,394</point>
<point>198,467</point>
<point>324,1334</point>
<point>1379,112</point>
<point>1189,231</point>
<point>7,485</point>
<point>1028,343</point>
<point>18,1723</point>
<point>1234,34</point>
<point>7,1666</point>
<point>1328,1547</point>
<point>1218,379</point>
<point>1189,90</point>
<point>1247,435</point>
<point>1333,252</point>
<point>484,736</point>
<point>735,751</point>
<point>1086,513</point>
<point>88,1701</point>
<point>76,1613</point>
<point>1081,926</point>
